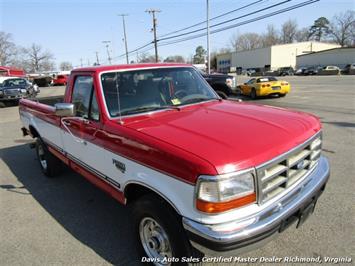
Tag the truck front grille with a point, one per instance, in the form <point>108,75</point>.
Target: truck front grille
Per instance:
<point>281,173</point>
<point>12,92</point>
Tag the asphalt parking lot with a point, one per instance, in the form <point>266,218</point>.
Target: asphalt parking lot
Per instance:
<point>67,221</point>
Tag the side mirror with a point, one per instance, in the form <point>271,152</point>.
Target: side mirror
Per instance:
<point>64,109</point>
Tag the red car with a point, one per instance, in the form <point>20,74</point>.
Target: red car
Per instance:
<point>199,172</point>
<point>60,80</point>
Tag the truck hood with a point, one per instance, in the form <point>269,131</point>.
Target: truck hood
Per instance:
<point>231,136</point>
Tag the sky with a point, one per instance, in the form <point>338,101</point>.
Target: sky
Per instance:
<point>75,30</point>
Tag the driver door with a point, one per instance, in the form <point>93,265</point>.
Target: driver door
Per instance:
<point>81,128</point>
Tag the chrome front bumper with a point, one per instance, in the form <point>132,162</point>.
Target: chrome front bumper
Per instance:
<point>258,228</point>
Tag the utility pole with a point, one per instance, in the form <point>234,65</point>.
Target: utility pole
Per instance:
<point>125,36</point>
<point>153,11</point>
<point>208,38</point>
<point>81,62</point>
<point>97,58</point>
<point>108,52</point>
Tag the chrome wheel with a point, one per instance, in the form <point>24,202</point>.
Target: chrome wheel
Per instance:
<point>41,157</point>
<point>155,241</point>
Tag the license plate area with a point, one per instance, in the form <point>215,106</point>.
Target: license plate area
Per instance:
<point>276,88</point>
<point>299,216</point>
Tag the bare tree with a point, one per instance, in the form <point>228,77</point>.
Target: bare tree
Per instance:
<point>302,35</point>
<point>246,41</point>
<point>342,28</point>
<point>39,60</point>
<point>7,49</point>
<point>146,58</point>
<point>65,66</point>
<point>175,58</point>
<point>271,37</point>
<point>288,31</point>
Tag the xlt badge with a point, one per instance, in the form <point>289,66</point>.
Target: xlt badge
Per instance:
<point>119,165</point>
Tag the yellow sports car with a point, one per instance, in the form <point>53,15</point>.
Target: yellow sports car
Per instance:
<point>264,86</point>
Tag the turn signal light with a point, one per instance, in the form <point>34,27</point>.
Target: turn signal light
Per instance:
<point>217,207</point>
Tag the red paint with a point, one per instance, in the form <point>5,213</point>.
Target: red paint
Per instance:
<point>209,138</point>
<point>58,155</point>
<point>116,194</point>
<point>60,80</point>
<point>11,72</point>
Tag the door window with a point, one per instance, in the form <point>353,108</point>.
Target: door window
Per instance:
<point>84,98</point>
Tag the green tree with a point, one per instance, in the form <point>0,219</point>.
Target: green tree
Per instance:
<point>319,29</point>
<point>200,54</point>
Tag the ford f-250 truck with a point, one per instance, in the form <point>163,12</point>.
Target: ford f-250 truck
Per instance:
<point>200,173</point>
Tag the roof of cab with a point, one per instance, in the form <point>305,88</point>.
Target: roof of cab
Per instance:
<point>130,66</point>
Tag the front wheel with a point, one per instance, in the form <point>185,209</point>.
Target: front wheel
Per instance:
<point>159,234</point>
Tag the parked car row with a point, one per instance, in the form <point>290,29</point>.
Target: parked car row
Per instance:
<point>302,71</point>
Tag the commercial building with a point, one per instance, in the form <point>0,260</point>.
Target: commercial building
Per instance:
<point>332,57</point>
<point>269,58</point>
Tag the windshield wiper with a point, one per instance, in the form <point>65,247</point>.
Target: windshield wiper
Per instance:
<point>149,108</point>
<point>196,100</point>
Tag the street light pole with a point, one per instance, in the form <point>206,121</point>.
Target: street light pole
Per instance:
<point>153,11</point>
<point>125,36</point>
<point>208,38</point>
<point>108,52</point>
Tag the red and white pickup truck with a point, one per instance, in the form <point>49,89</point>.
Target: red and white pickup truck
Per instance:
<point>199,172</point>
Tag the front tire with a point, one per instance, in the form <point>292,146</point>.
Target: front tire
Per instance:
<point>159,233</point>
<point>49,164</point>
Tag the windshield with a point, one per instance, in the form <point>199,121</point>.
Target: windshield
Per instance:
<point>15,82</point>
<point>153,89</point>
<point>266,79</point>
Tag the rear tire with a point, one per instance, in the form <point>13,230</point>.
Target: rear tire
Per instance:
<point>49,164</point>
<point>282,95</point>
<point>253,94</point>
<point>159,232</point>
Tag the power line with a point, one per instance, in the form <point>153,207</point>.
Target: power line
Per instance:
<point>214,18</point>
<point>228,27</point>
<point>200,23</point>
<point>224,22</point>
<point>244,22</point>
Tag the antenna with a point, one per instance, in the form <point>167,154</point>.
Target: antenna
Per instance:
<point>118,101</point>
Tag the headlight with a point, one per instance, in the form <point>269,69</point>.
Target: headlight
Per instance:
<point>23,90</point>
<point>221,193</point>
<point>1,92</point>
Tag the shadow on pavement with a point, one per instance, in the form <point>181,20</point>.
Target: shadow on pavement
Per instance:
<point>87,213</point>
<point>340,124</point>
